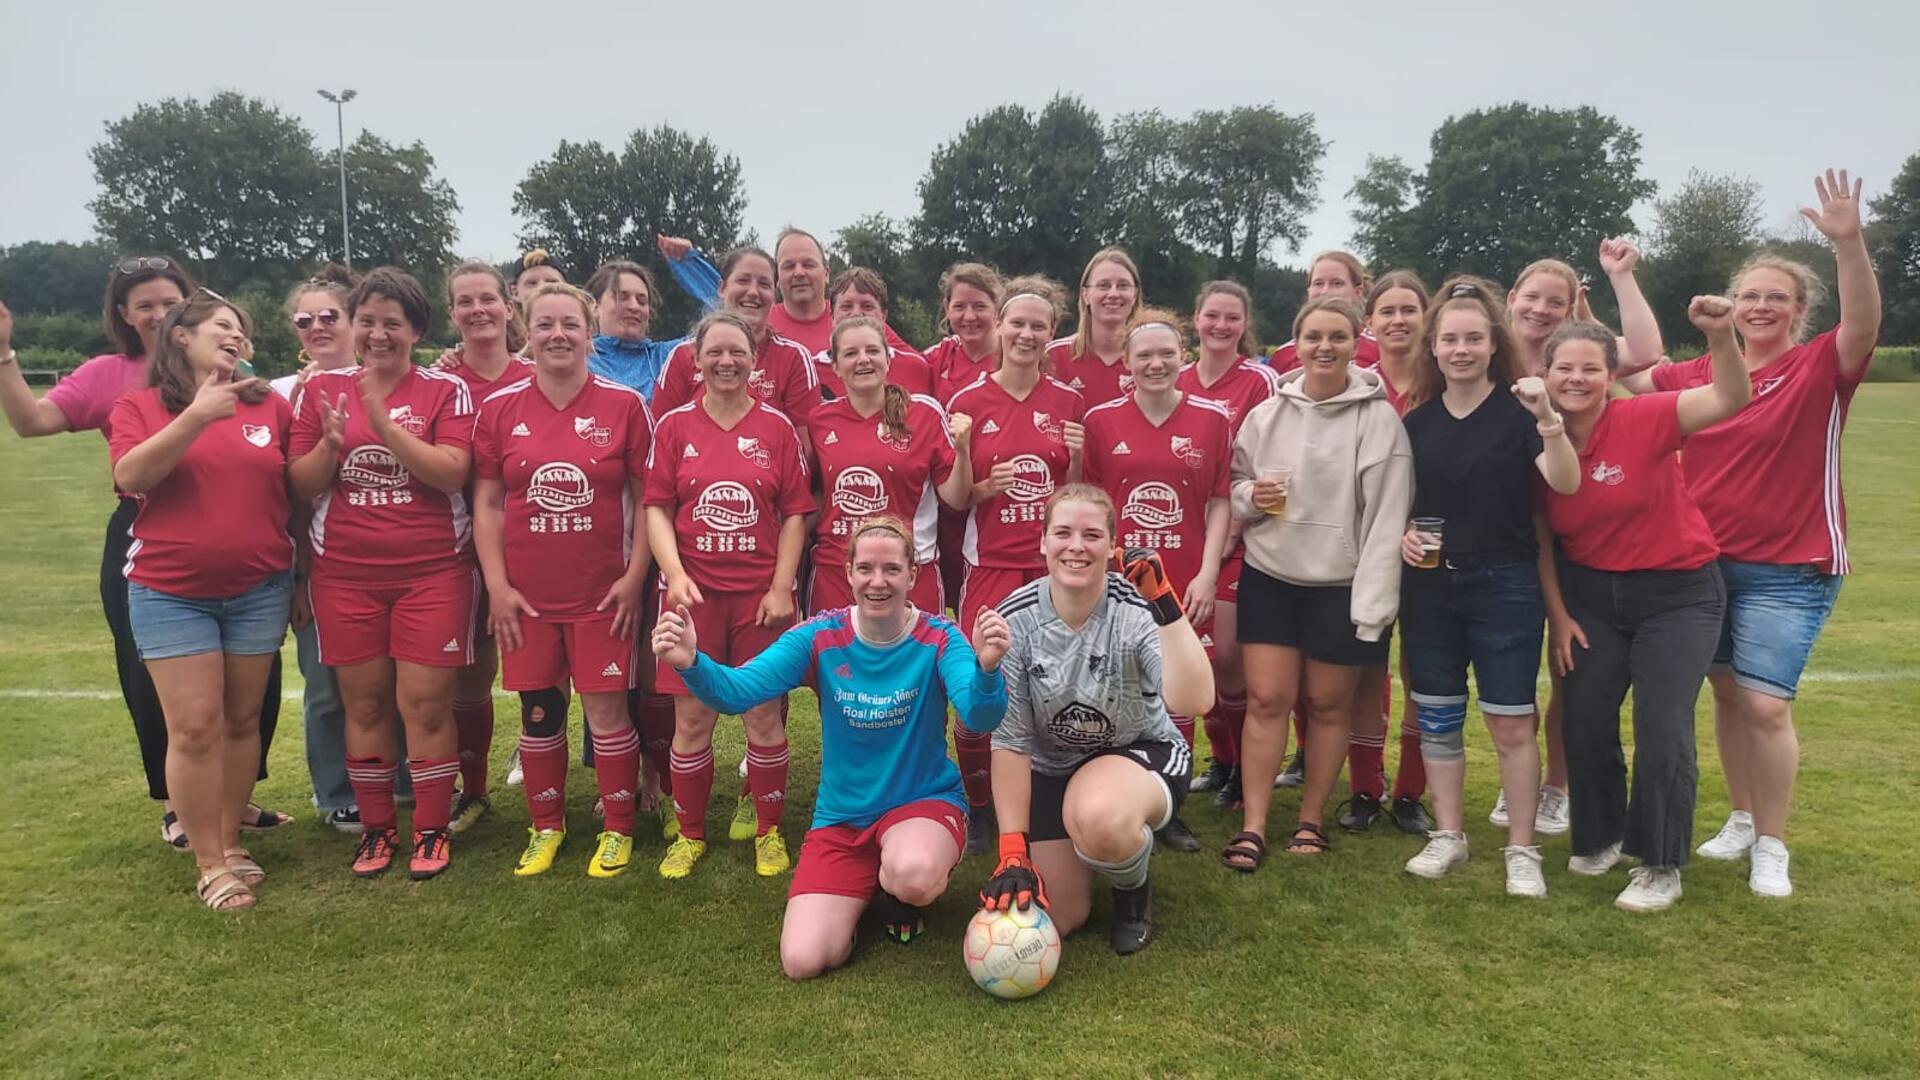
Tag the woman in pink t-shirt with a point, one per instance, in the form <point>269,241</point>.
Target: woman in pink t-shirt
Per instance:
<point>139,293</point>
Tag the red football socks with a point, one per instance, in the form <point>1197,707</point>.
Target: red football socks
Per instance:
<point>692,786</point>
<point>975,755</point>
<point>616,764</point>
<point>473,724</point>
<point>543,763</point>
<point>767,779</point>
<point>372,780</point>
<point>432,791</point>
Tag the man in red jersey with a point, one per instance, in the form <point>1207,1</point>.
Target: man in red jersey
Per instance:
<point>805,312</point>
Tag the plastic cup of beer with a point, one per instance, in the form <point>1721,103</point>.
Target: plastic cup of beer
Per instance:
<point>1283,476</point>
<point>1431,530</point>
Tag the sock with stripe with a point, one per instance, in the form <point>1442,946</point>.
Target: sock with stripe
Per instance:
<point>975,755</point>
<point>473,724</point>
<point>1224,723</point>
<point>1364,756</point>
<point>767,776</point>
<point>616,764</point>
<point>372,780</point>
<point>543,765</point>
<point>692,786</point>
<point>656,725</point>
<point>432,791</point>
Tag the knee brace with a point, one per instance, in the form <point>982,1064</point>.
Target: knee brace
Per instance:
<point>1441,724</point>
<point>543,713</point>
<point>1127,873</point>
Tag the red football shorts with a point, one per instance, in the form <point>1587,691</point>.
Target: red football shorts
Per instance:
<point>845,860</point>
<point>586,652</point>
<point>427,621</point>
<point>986,586</point>
<point>725,631</point>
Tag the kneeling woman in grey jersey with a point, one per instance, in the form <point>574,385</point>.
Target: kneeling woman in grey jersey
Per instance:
<point>1088,763</point>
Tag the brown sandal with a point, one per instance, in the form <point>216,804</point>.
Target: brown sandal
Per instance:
<point>233,896</point>
<point>1313,842</point>
<point>240,863</point>
<point>1245,852</point>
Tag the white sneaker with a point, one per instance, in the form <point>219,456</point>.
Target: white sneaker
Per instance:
<point>1596,864</point>
<point>1768,873</point>
<point>1444,851</point>
<point>1732,841</point>
<point>1649,889</point>
<point>1499,815</point>
<point>1550,819</point>
<point>515,774</point>
<point>1523,872</point>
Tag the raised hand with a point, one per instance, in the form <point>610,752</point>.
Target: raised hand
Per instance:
<point>333,423</point>
<point>451,359</point>
<point>672,248</point>
<point>374,400</point>
<point>991,637</point>
<point>1618,256</point>
<point>1531,391</point>
<point>1839,215</point>
<point>1712,314</point>
<point>674,638</point>
<point>216,399</point>
<point>999,479</point>
<point>960,429</point>
<point>1074,434</point>
<point>503,617</point>
<point>1142,567</point>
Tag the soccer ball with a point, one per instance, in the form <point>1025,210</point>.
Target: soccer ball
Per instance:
<point>1012,954</point>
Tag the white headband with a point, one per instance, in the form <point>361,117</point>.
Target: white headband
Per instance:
<point>1152,325</point>
<point>1008,302</point>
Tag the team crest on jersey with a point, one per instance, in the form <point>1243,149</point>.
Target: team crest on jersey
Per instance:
<point>726,506</point>
<point>1048,426</point>
<point>1081,725</point>
<point>257,434</point>
<point>751,449</point>
<point>1154,505</point>
<point>1184,449</point>
<point>1126,384</point>
<point>373,467</point>
<point>404,416</point>
<point>898,445</point>
<point>760,383</point>
<point>859,492</point>
<point>1032,480</point>
<point>1610,475</point>
<point>600,437</point>
<point>559,487</point>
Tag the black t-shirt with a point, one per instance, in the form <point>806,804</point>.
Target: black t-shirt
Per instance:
<point>1477,472</point>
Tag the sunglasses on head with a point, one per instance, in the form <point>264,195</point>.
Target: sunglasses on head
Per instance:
<point>325,317</point>
<point>1464,290</point>
<point>135,266</point>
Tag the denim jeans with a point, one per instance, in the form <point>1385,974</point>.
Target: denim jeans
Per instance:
<point>1489,615</point>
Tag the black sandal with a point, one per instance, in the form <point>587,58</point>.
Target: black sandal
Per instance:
<point>169,822</point>
<point>1245,852</point>
<point>1314,842</point>
<point>264,820</point>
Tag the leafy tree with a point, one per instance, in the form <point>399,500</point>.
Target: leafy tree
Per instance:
<point>402,214</point>
<point>1894,238</point>
<point>1252,175</point>
<point>1699,236</point>
<point>232,186</point>
<point>880,244</point>
<point>36,276</point>
<point>1504,186</point>
<point>575,207</point>
<point>1151,191</point>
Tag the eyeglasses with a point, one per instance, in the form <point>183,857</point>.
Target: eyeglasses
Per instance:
<point>325,317</point>
<point>134,266</point>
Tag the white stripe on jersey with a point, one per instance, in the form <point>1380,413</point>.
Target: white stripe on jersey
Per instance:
<point>463,397</point>
<point>1830,492</point>
<point>654,447</point>
<point>813,377</point>
<point>800,450</point>
<point>1210,403</point>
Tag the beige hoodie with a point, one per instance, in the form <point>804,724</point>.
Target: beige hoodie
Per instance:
<point>1348,501</point>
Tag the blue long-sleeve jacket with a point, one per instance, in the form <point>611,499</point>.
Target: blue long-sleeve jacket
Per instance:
<point>638,363</point>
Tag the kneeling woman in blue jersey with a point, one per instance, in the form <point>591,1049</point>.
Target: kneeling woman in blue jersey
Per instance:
<point>1088,764</point>
<point>890,812</point>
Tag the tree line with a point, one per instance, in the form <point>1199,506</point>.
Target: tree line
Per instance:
<point>242,193</point>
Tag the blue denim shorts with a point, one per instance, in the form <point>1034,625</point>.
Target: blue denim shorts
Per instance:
<point>251,624</point>
<point>1774,614</point>
<point>1487,614</point>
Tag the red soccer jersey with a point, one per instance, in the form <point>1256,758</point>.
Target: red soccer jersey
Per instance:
<point>1366,354</point>
<point>953,369</point>
<point>375,524</point>
<point>567,473</point>
<point>1768,480</point>
<point>783,376</point>
<point>816,334</point>
<point>864,472</point>
<point>478,386</point>
<point>729,490</point>
<point>1095,380</point>
<point>906,369</point>
<point>1004,531</point>
<point>1161,476</point>
<point>1244,385</point>
<point>217,525</point>
<point>1632,511</point>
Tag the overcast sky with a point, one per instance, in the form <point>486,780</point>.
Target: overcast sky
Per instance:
<point>833,109</point>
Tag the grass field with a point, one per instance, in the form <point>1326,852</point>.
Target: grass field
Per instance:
<point>1343,966</point>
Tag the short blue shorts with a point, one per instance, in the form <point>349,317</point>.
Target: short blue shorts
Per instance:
<point>1774,614</point>
<point>1489,615</point>
<point>252,624</point>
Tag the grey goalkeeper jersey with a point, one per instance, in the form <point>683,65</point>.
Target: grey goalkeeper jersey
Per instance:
<point>1073,694</point>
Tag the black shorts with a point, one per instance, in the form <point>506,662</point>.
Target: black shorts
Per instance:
<point>1171,762</point>
<point>1316,619</point>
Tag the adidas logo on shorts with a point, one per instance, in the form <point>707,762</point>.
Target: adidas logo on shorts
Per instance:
<point>452,645</point>
<point>611,669</point>
<point>521,429</point>
<point>989,428</point>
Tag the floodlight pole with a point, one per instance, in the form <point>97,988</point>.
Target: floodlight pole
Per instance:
<point>340,124</point>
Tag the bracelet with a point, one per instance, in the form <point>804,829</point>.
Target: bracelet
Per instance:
<point>1553,430</point>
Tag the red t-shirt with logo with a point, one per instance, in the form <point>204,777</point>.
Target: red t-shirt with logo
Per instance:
<point>784,376</point>
<point>567,472</point>
<point>1161,476</point>
<point>953,369</point>
<point>1768,480</point>
<point>1244,385</point>
<point>1366,354</point>
<point>816,334</point>
<point>1632,511</point>
<point>376,524</point>
<point>906,369</point>
<point>479,386</point>
<point>864,472</point>
<point>1004,531</point>
<point>1095,380</point>
<point>217,525</point>
<point>729,490</point>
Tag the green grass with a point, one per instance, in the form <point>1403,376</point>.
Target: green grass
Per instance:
<point>1340,967</point>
